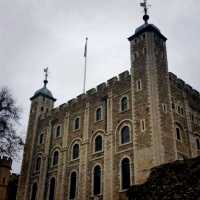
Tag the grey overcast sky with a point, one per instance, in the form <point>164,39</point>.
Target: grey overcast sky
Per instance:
<point>51,33</point>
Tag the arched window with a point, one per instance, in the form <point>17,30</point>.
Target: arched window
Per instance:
<point>98,114</point>
<point>98,143</point>
<point>72,193</point>
<point>55,158</point>
<point>52,189</point>
<point>77,123</point>
<point>58,131</point>
<point>125,173</point>
<point>34,191</point>
<point>75,152</point>
<point>38,164</point>
<point>97,180</point>
<point>125,135</point>
<point>178,133</point>
<point>124,104</point>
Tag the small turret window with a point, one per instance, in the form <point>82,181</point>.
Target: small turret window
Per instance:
<point>124,104</point>
<point>98,114</point>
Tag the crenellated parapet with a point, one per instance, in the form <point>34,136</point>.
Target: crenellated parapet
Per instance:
<point>179,83</point>
<point>5,162</point>
<point>98,90</point>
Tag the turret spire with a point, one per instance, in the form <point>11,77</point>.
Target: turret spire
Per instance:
<point>145,6</point>
<point>46,76</point>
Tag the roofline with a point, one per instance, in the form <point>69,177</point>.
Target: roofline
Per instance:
<point>147,29</point>
<point>40,94</point>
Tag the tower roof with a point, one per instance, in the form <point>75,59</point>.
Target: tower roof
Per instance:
<point>44,91</point>
<point>146,27</point>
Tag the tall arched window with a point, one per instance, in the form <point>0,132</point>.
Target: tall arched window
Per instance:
<point>34,191</point>
<point>98,114</point>
<point>75,152</point>
<point>125,135</point>
<point>97,180</point>
<point>125,173</point>
<point>41,138</point>
<point>55,158</point>
<point>98,143</point>
<point>52,189</point>
<point>73,183</point>
<point>38,164</point>
<point>124,104</point>
<point>77,123</point>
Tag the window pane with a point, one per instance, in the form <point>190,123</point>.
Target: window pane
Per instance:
<point>58,131</point>
<point>75,151</point>
<point>124,104</point>
<point>98,114</point>
<point>38,163</point>
<point>34,191</point>
<point>98,143</point>
<point>97,180</point>
<point>55,158</point>
<point>73,186</point>
<point>125,174</point>
<point>125,135</point>
<point>52,189</point>
<point>77,123</point>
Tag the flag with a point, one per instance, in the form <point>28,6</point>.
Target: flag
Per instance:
<point>85,51</point>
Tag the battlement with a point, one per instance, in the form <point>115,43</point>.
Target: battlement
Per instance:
<point>109,84</point>
<point>5,162</point>
<point>184,86</point>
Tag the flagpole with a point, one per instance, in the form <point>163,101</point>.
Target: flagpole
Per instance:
<point>85,65</point>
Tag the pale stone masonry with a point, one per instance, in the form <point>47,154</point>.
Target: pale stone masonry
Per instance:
<point>162,114</point>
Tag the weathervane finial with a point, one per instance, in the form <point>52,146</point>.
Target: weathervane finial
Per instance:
<point>145,6</point>
<point>46,76</point>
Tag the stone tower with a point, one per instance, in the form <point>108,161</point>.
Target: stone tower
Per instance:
<point>5,167</point>
<point>154,141</point>
<point>41,102</point>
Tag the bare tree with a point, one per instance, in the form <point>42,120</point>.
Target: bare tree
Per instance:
<point>10,142</point>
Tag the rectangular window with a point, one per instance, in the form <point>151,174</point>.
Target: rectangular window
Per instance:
<point>164,107</point>
<point>138,85</point>
<point>142,125</point>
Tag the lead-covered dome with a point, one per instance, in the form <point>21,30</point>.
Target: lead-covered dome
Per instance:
<point>43,92</point>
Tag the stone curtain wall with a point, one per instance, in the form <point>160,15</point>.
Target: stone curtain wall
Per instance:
<point>179,180</point>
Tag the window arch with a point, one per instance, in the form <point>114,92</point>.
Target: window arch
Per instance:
<point>77,123</point>
<point>125,135</point>
<point>124,104</point>
<point>38,164</point>
<point>75,151</point>
<point>52,189</point>
<point>97,180</point>
<point>55,158</point>
<point>98,143</point>
<point>73,183</point>
<point>99,114</point>
<point>34,191</point>
<point>125,174</point>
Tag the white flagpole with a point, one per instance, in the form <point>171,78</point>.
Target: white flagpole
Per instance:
<point>85,66</point>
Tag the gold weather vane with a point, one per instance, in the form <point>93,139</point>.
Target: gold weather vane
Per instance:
<point>146,7</point>
<point>46,72</point>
